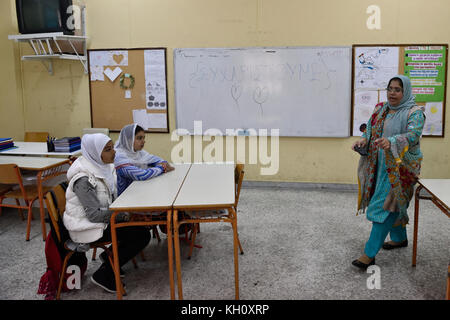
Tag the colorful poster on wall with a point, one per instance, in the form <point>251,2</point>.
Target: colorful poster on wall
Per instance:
<point>425,66</point>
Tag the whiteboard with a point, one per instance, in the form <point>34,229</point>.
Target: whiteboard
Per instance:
<point>302,91</point>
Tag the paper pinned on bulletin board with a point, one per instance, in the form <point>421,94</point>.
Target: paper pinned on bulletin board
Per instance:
<point>150,120</point>
<point>155,83</point>
<point>365,101</point>
<point>140,117</point>
<point>433,121</point>
<point>97,73</point>
<point>112,74</point>
<point>118,58</point>
<point>108,58</point>
<point>157,120</point>
<point>374,66</point>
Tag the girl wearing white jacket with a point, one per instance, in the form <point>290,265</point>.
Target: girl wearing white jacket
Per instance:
<point>92,188</point>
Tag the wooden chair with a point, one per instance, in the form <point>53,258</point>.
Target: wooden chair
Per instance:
<point>29,176</point>
<point>238,178</point>
<point>55,201</point>
<point>10,175</point>
<point>36,136</point>
<point>4,188</point>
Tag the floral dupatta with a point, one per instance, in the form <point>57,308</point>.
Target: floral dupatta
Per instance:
<point>402,164</point>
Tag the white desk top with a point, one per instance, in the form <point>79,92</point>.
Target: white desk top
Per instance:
<point>36,149</point>
<point>156,193</point>
<point>31,163</point>
<point>207,186</point>
<point>440,188</point>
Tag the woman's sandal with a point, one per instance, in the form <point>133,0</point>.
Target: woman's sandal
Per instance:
<point>362,265</point>
<point>389,246</point>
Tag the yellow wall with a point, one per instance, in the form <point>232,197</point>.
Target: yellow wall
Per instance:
<point>60,103</point>
<point>11,105</point>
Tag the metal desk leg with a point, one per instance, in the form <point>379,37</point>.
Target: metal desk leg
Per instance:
<point>170,253</point>
<point>176,241</point>
<point>236,255</point>
<point>41,204</point>
<point>416,223</point>
<point>116,256</point>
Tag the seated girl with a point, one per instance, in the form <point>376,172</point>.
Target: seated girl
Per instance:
<point>132,162</point>
<point>92,188</point>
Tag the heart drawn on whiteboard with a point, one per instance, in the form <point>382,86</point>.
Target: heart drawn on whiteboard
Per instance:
<point>236,91</point>
<point>112,74</point>
<point>118,58</point>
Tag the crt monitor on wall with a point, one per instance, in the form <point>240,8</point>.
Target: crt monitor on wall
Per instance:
<point>42,16</point>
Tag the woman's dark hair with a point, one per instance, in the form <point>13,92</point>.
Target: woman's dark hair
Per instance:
<point>138,129</point>
<point>363,127</point>
<point>396,79</point>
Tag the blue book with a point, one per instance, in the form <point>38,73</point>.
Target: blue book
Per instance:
<point>11,148</point>
<point>6,146</point>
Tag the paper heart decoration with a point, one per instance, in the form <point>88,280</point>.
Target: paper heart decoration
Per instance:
<point>118,58</point>
<point>112,74</point>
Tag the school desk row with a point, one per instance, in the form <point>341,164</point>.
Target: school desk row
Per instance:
<point>194,187</point>
<point>197,186</point>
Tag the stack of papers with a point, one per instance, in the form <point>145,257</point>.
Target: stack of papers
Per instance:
<point>6,143</point>
<point>67,144</point>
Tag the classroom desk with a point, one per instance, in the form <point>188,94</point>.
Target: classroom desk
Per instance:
<point>207,187</point>
<point>156,194</point>
<point>37,149</point>
<point>45,168</point>
<point>439,190</point>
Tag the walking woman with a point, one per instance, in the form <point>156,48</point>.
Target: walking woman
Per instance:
<point>389,167</point>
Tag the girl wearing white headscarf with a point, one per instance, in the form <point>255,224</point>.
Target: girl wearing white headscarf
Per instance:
<point>132,162</point>
<point>92,188</point>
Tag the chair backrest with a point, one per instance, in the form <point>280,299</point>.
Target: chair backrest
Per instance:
<point>36,136</point>
<point>96,130</point>
<point>55,200</point>
<point>10,174</point>
<point>238,178</point>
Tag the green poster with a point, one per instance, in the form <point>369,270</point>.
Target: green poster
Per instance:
<point>425,66</point>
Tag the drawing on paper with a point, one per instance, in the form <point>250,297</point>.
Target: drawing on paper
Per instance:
<point>375,66</point>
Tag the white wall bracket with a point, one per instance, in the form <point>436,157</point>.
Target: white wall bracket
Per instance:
<point>56,45</point>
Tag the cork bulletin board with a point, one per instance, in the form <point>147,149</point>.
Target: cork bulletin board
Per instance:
<point>128,86</point>
<point>426,66</point>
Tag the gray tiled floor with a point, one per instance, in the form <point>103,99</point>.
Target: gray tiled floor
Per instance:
<point>298,244</point>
